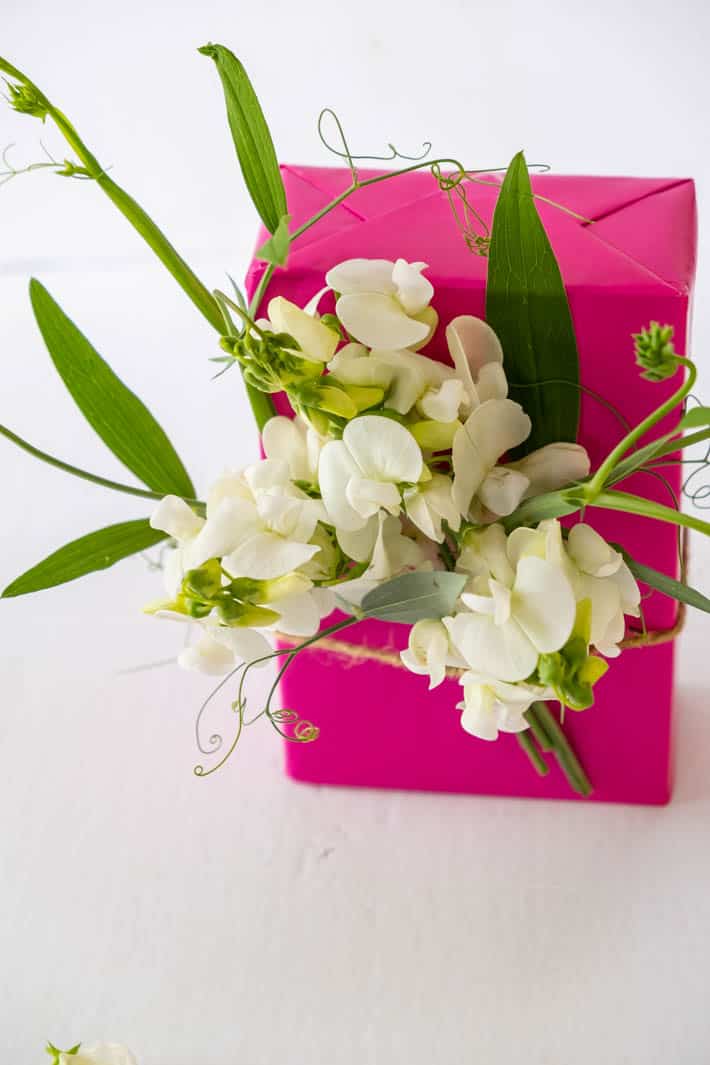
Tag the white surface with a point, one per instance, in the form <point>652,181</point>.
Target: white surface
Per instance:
<point>244,920</point>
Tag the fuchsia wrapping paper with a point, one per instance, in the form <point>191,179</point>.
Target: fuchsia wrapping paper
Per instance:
<point>629,259</point>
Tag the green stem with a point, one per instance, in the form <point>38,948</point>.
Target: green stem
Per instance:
<point>527,744</point>
<point>599,480</point>
<point>43,456</point>
<point>262,405</point>
<point>665,445</point>
<point>566,758</point>
<point>539,732</point>
<point>631,504</point>
<point>354,186</point>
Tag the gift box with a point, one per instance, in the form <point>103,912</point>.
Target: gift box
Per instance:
<point>626,250</point>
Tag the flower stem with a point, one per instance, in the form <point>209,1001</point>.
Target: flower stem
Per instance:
<point>527,744</point>
<point>562,750</point>
<point>261,404</point>
<point>76,471</point>
<point>631,504</point>
<point>598,481</point>
<point>539,732</point>
<point>340,198</point>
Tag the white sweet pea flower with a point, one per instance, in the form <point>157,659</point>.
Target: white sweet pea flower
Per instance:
<point>430,651</point>
<point>173,516</point>
<point>408,379</point>
<point>317,342</point>
<point>491,706</point>
<point>511,621</point>
<point>384,304</point>
<point>98,1054</point>
<point>491,430</point>
<point>391,554</point>
<point>264,540</point>
<point>595,572</point>
<point>220,649</point>
<point>293,441</point>
<point>478,357</point>
<point>430,503</point>
<point>360,475</point>
<point>551,467</point>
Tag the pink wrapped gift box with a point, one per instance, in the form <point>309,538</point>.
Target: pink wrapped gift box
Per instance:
<point>626,249</point>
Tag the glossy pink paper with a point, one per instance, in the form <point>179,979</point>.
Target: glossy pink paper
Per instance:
<point>626,249</point>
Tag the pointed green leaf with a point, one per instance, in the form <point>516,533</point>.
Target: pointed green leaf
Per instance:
<point>252,140</point>
<point>667,585</point>
<point>96,550</point>
<point>526,304</point>
<point>695,418</point>
<point>414,596</point>
<point>275,250</point>
<point>115,413</point>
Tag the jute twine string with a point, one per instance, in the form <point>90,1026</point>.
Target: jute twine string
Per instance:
<point>357,654</point>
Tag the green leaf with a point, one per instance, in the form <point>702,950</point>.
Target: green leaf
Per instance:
<point>662,583</point>
<point>96,550</point>
<point>540,508</point>
<point>275,250</point>
<point>252,140</point>
<point>115,413</point>
<point>414,596</point>
<point>526,304</point>
<point>695,418</point>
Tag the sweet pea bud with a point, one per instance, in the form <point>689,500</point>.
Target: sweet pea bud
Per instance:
<point>364,397</point>
<point>435,436</point>
<point>327,398</point>
<point>26,101</point>
<point>245,615</point>
<point>204,582</point>
<point>655,353</point>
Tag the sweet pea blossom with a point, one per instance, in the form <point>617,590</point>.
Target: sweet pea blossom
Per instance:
<point>595,571</point>
<point>98,1054</point>
<point>293,441</point>
<point>317,342</point>
<point>384,304</point>
<point>495,490</point>
<point>430,503</point>
<point>477,355</point>
<point>361,474</point>
<point>491,706</point>
<point>392,554</point>
<point>492,429</point>
<point>408,379</point>
<point>513,615</point>
<point>430,652</point>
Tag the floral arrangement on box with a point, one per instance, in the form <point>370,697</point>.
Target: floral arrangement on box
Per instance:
<point>403,489</point>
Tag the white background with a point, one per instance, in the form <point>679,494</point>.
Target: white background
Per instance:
<point>245,920</point>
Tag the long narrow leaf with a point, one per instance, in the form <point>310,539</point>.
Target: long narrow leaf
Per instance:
<point>526,304</point>
<point>252,140</point>
<point>96,550</point>
<point>662,583</point>
<point>115,413</point>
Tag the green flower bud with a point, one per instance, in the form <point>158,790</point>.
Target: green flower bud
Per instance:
<point>204,582</point>
<point>435,436</point>
<point>26,101</point>
<point>655,353</point>
<point>237,614</point>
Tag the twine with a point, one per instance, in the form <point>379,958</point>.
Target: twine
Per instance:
<point>357,654</point>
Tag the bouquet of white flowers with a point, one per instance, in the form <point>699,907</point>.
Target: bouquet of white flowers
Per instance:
<point>403,489</point>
